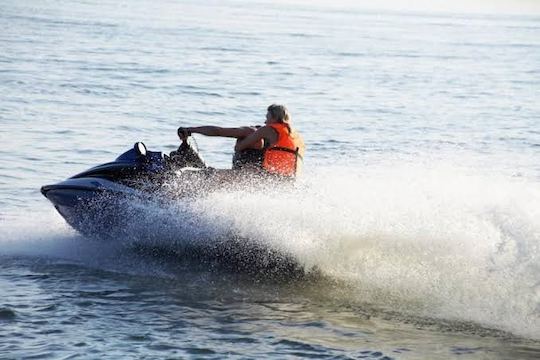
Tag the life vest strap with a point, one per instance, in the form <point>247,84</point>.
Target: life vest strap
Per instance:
<point>279,148</point>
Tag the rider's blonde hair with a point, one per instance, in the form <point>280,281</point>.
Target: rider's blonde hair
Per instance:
<point>281,114</point>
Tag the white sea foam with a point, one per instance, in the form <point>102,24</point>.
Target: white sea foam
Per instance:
<point>36,234</point>
<point>437,242</point>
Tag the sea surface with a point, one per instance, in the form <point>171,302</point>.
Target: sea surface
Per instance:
<point>416,223</point>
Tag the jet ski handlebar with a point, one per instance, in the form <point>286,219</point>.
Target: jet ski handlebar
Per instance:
<point>183,133</point>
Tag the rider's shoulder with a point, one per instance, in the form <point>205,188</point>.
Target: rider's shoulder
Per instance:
<point>251,128</point>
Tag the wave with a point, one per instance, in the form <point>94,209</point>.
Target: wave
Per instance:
<point>435,242</point>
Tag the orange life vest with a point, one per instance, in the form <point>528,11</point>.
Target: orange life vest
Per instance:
<point>286,155</point>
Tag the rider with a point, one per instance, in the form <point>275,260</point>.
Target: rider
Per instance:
<point>275,148</point>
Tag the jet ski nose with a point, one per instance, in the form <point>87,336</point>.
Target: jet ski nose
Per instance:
<point>59,196</point>
<point>44,189</point>
<point>71,192</point>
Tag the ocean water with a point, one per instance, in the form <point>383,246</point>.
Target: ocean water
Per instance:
<point>417,221</point>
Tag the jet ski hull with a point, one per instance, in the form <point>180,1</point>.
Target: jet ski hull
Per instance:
<point>88,205</point>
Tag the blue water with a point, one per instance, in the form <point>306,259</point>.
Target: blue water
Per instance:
<point>417,216</point>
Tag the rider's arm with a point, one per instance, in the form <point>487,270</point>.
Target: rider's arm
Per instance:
<point>240,132</point>
<point>266,132</point>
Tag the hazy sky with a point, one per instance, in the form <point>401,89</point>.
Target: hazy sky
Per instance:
<point>475,6</point>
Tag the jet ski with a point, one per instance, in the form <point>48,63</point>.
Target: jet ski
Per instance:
<point>104,200</point>
<point>92,199</point>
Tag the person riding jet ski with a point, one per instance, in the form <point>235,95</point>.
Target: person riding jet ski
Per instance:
<point>274,150</point>
<point>98,199</point>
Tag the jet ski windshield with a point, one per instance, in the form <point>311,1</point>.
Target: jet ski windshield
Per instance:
<point>128,165</point>
<point>129,156</point>
<point>135,154</point>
